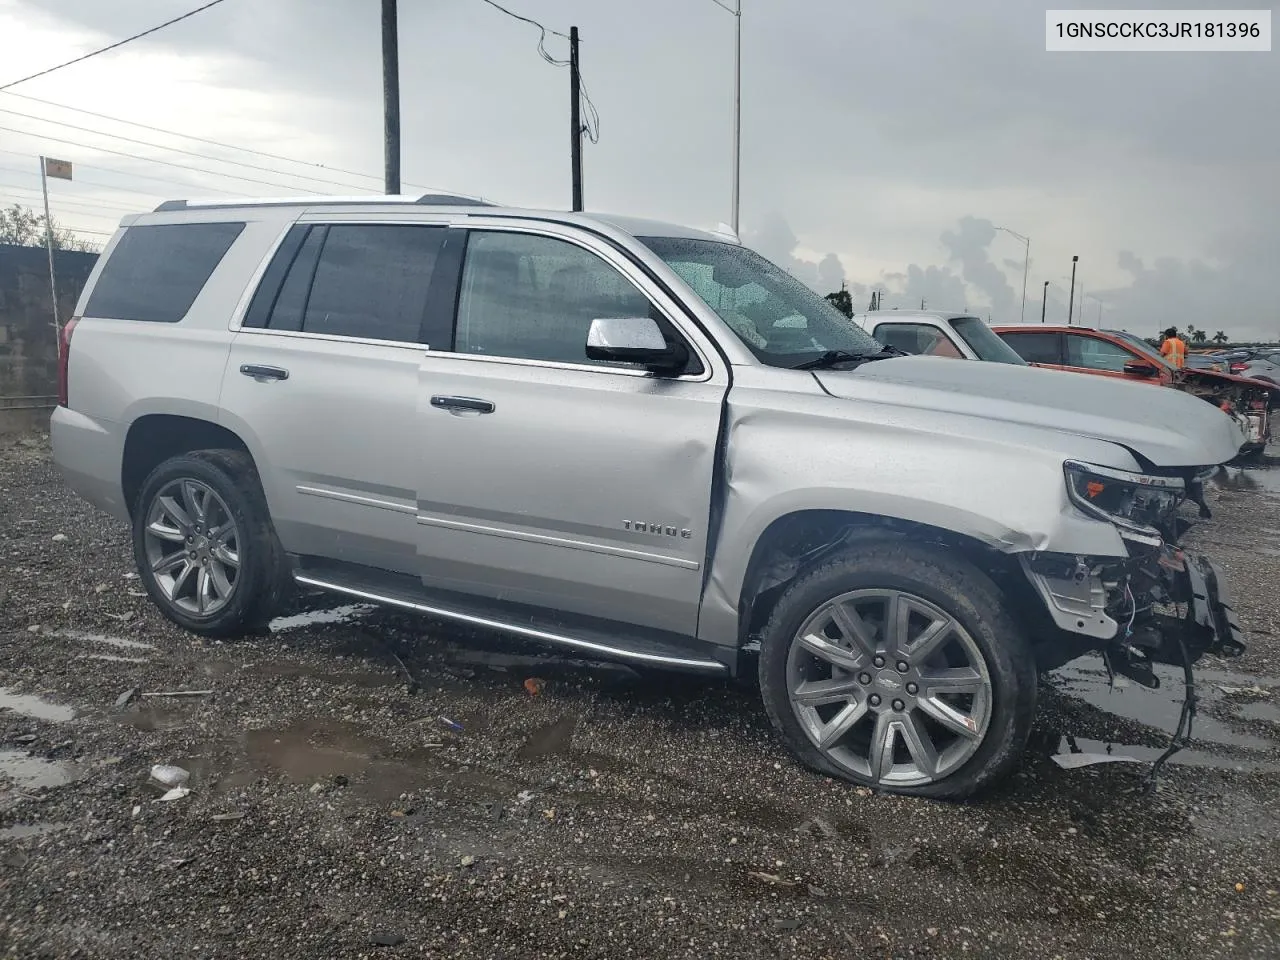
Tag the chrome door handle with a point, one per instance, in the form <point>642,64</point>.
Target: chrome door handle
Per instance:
<point>262,372</point>
<point>474,404</point>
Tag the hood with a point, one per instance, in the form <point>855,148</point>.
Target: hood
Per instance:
<point>1166,426</point>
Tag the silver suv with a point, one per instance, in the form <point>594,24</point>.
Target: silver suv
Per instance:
<point>635,441</point>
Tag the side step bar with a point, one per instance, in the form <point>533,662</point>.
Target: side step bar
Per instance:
<point>653,657</point>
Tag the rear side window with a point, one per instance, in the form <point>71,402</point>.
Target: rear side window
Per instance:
<point>1035,347</point>
<point>156,272</point>
<point>371,281</point>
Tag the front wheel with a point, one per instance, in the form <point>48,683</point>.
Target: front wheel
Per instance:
<point>900,668</point>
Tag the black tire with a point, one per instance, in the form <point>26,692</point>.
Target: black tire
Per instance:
<point>263,576</point>
<point>956,587</point>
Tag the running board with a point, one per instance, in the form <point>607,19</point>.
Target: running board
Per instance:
<point>644,652</point>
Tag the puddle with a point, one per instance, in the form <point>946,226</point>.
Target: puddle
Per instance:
<point>35,707</point>
<point>22,831</point>
<point>1239,478</point>
<point>313,617</point>
<point>1073,748</point>
<point>313,751</point>
<point>118,642</point>
<point>34,773</point>
<point>1086,679</point>
<point>1259,711</point>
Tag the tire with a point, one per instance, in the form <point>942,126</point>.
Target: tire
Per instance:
<point>224,485</point>
<point>839,712</point>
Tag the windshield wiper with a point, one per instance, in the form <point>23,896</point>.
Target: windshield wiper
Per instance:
<point>833,357</point>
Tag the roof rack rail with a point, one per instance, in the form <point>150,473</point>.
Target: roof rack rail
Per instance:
<point>426,199</point>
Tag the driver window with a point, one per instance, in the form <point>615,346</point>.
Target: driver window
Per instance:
<point>534,298</point>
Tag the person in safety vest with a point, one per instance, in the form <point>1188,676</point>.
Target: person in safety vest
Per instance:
<point>1174,349</point>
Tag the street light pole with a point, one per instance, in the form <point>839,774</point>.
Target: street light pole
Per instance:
<point>1026,266</point>
<point>390,98</point>
<point>737,105</point>
<point>1044,300</point>
<point>1071,300</point>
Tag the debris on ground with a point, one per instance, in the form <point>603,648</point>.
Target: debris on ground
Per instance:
<point>535,685</point>
<point>169,776</point>
<point>177,793</point>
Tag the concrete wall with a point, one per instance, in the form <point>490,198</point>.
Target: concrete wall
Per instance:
<point>28,346</point>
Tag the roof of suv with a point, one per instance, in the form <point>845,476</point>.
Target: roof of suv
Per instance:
<point>451,203</point>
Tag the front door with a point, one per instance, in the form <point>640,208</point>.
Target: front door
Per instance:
<point>552,480</point>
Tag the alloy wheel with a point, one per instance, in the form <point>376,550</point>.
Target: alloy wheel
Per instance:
<point>890,687</point>
<point>192,546</point>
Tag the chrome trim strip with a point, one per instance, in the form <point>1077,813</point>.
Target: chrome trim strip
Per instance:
<point>586,646</point>
<point>559,542</point>
<point>355,498</point>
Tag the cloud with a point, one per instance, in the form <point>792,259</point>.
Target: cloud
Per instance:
<point>775,239</point>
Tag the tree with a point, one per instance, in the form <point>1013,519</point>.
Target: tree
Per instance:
<point>1197,336</point>
<point>842,300</point>
<point>1220,337</point>
<point>23,226</point>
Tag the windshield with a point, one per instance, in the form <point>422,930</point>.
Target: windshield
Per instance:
<point>984,342</point>
<point>780,320</point>
<point>1144,348</point>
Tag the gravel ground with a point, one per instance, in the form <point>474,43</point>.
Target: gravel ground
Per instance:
<point>333,812</point>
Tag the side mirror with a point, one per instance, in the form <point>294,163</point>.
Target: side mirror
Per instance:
<point>634,340</point>
<point>1138,369</point>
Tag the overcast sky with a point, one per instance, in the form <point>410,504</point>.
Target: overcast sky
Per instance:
<point>881,142</point>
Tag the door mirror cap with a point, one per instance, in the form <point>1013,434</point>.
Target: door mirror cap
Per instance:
<point>1138,369</point>
<point>634,340</point>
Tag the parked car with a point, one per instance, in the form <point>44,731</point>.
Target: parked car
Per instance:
<point>1119,354</point>
<point>1201,361</point>
<point>1259,366</point>
<point>937,334</point>
<point>635,441</point>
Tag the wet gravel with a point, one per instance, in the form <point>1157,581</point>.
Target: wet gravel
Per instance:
<point>599,813</point>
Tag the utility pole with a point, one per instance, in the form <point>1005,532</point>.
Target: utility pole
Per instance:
<point>391,96</point>
<point>1072,298</point>
<point>1044,300</point>
<point>575,117</point>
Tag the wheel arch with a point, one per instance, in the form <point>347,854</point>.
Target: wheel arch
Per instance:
<point>156,437</point>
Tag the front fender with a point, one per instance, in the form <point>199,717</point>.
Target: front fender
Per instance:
<point>1003,488</point>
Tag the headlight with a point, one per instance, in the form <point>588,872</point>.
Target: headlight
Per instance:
<point>1134,502</point>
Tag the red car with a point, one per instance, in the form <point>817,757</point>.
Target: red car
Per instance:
<point>1115,353</point>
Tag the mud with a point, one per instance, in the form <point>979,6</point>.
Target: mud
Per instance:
<point>608,813</point>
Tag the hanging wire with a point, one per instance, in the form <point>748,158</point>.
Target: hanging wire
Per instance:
<point>542,50</point>
<point>591,118</point>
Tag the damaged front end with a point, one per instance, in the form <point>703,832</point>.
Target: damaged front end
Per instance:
<point>1247,402</point>
<point>1158,604</point>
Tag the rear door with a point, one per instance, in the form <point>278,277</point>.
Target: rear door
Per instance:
<point>323,376</point>
<point>1040,348</point>
<point>549,479</point>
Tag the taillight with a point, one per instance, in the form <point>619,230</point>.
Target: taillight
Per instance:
<point>64,355</point>
<point>1237,367</point>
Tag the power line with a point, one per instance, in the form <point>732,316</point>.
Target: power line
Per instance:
<point>125,173</point>
<point>7,187</point>
<point>212,143</point>
<point>592,125</point>
<point>167,163</point>
<point>189,153</point>
<point>542,50</point>
<point>118,43</point>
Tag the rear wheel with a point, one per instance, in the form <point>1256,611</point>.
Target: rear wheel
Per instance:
<point>204,544</point>
<point>899,667</point>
